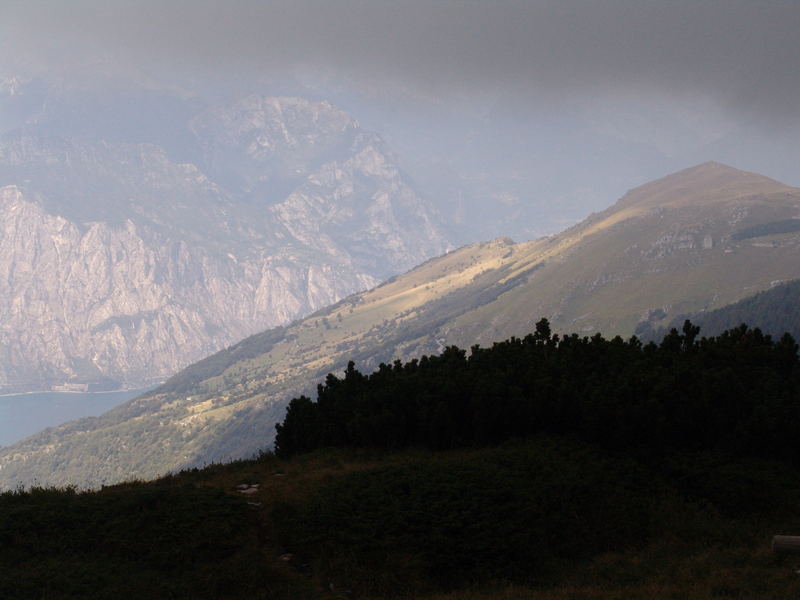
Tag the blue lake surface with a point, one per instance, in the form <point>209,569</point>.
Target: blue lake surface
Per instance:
<point>22,415</point>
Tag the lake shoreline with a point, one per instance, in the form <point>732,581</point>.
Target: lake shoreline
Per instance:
<point>119,390</point>
<point>27,413</point>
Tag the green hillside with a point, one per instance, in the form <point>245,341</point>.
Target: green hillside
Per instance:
<point>668,248</point>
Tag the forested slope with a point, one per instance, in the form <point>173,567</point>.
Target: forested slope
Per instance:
<point>735,392</point>
<point>774,311</point>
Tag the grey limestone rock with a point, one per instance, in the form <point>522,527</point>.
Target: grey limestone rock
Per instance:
<point>116,261</point>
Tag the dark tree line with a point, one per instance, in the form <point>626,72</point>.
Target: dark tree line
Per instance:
<point>738,391</point>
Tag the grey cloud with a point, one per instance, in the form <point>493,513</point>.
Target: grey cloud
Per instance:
<point>743,53</point>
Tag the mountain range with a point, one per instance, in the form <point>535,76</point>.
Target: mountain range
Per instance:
<point>695,240</point>
<point>123,261</point>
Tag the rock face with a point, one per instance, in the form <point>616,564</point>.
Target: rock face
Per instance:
<point>329,183</point>
<point>116,262</point>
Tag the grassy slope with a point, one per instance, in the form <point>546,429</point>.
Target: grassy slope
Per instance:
<point>546,519</point>
<point>606,273</point>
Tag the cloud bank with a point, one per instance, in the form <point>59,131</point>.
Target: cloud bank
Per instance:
<point>743,54</point>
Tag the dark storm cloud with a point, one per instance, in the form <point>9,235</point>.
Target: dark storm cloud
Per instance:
<point>743,53</point>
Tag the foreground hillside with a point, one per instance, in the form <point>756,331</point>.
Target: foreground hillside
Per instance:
<point>699,239</point>
<point>672,488</point>
<point>547,519</point>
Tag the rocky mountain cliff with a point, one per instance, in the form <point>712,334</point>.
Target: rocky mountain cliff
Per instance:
<point>698,239</point>
<point>119,263</point>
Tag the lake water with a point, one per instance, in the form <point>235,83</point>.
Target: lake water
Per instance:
<point>22,415</point>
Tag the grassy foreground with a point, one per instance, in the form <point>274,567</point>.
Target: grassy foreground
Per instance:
<point>547,519</point>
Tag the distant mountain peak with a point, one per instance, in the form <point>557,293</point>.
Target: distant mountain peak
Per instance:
<point>266,123</point>
<point>711,169</point>
<point>708,182</point>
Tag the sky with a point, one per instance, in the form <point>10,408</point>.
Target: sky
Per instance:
<point>681,81</point>
<point>742,53</point>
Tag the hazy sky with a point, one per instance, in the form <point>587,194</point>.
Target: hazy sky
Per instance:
<point>652,86</point>
<point>742,53</point>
